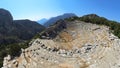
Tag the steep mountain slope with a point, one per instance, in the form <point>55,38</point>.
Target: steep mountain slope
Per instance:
<point>16,31</point>
<point>70,44</point>
<point>52,20</point>
<point>27,29</point>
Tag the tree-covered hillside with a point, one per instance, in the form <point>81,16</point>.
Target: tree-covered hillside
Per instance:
<point>95,19</point>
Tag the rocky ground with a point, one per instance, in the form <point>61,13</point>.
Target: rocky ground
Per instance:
<point>80,45</point>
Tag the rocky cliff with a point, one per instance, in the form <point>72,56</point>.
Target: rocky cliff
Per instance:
<point>76,45</point>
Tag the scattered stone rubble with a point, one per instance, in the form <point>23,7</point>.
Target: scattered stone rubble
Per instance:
<point>41,51</point>
<point>104,53</point>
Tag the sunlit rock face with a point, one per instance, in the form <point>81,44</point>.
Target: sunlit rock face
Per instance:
<point>78,45</point>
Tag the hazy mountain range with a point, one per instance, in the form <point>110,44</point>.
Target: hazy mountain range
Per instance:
<point>12,31</point>
<point>52,20</point>
<point>42,21</point>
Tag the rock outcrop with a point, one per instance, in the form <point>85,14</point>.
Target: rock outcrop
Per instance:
<point>79,45</point>
<point>6,21</point>
<point>5,17</point>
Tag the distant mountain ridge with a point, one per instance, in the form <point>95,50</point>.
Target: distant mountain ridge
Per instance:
<point>12,31</point>
<point>55,19</point>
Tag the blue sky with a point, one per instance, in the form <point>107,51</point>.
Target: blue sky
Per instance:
<point>37,9</point>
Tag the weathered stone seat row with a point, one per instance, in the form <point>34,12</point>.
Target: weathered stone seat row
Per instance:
<point>52,54</point>
<point>87,48</point>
